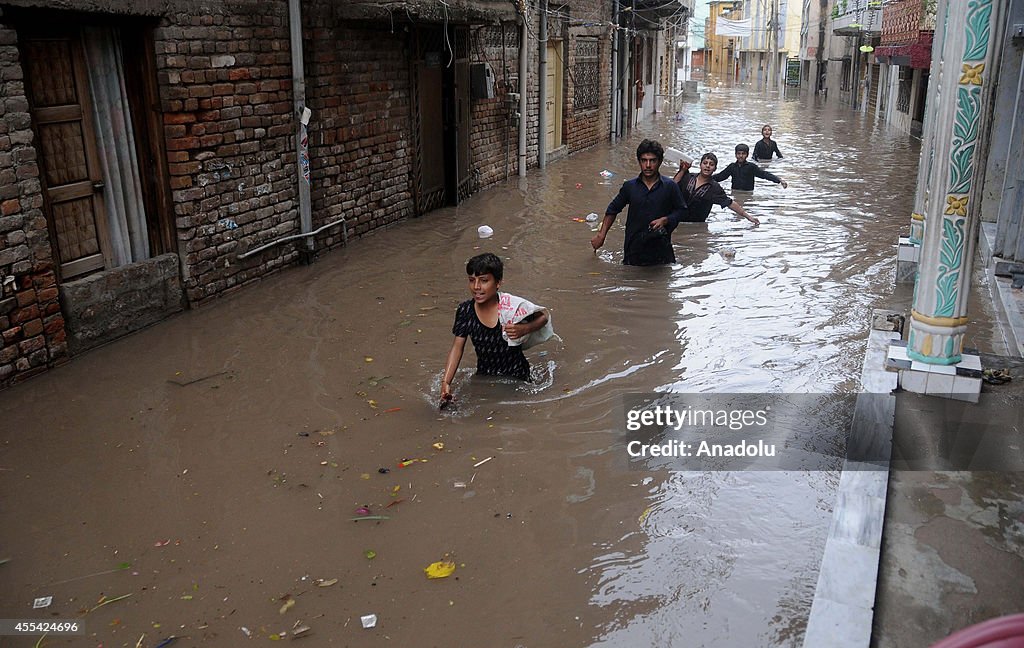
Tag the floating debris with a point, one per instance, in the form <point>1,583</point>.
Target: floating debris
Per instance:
<point>440,569</point>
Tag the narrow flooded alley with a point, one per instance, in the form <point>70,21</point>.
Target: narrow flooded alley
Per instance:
<point>212,469</point>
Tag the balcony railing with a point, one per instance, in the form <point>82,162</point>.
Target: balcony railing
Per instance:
<point>850,17</point>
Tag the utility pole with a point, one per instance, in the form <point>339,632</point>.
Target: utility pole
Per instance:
<point>542,88</point>
<point>773,64</point>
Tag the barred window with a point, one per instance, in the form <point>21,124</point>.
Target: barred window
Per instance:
<point>903,94</point>
<point>586,73</point>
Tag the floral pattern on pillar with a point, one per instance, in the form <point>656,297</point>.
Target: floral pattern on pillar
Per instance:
<point>938,320</point>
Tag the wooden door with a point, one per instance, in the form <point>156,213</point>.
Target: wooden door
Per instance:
<point>431,136</point>
<point>58,93</point>
<point>553,100</point>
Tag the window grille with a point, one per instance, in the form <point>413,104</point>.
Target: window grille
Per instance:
<point>586,73</point>
<point>903,92</point>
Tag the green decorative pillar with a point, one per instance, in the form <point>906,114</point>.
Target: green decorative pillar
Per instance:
<point>938,319</point>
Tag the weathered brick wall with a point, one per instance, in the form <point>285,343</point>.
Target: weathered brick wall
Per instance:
<point>224,76</point>
<point>490,127</point>
<point>357,85</point>
<point>586,127</point>
<point>582,128</point>
<point>31,324</point>
<point>532,116</point>
<point>495,140</point>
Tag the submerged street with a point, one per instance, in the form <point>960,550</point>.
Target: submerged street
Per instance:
<point>213,466</point>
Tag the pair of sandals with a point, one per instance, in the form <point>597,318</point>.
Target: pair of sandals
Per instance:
<point>996,376</point>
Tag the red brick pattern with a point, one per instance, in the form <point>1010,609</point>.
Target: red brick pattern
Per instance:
<point>901,22</point>
<point>357,85</point>
<point>586,128</point>
<point>32,335</point>
<point>224,84</point>
<point>492,132</point>
<point>225,90</point>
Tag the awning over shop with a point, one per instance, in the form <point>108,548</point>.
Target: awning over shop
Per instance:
<point>915,55</point>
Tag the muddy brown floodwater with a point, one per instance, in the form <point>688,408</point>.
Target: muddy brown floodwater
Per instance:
<point>216,502</point>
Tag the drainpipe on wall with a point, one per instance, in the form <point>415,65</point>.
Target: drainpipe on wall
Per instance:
<point>542,88</point>
<point>855,76</point>
<point>301,118</point>
<point>523,56</point>
<point>615,71</point>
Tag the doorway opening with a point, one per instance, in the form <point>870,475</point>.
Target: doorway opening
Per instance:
<point>441,112</point>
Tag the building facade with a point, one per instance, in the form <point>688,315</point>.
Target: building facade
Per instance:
<point>155,155</point>
<point>904,57</point>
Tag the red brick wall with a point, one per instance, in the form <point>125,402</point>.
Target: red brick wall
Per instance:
<point>225,89</point>
<point>493,133</point>
<point>357,85</point>
<point>901,22</point>
<point>32,335</point>
<point>581,129</point>
<point>585,128</point>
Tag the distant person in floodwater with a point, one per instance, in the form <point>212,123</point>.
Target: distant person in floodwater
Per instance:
<point>766,146</point>
<point>701,192</point>
<point>743,172</point>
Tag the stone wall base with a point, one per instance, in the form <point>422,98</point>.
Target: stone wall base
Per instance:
<point>104,306</point>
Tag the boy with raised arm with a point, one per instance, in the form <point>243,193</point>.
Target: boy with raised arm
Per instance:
<point>743,172</point>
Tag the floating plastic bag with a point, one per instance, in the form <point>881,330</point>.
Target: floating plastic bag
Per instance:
<point>484,231</point>
<point>592,217</point>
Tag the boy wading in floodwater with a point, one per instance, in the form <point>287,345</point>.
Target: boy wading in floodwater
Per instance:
<point>701,192</point>
<point>766,146</point>
<point>478,319</point>
<point>743,172</point>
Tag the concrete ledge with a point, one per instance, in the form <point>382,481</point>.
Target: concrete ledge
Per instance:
<point>106,305</point>
<point>843,609</point>
<point>1009,303</point>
